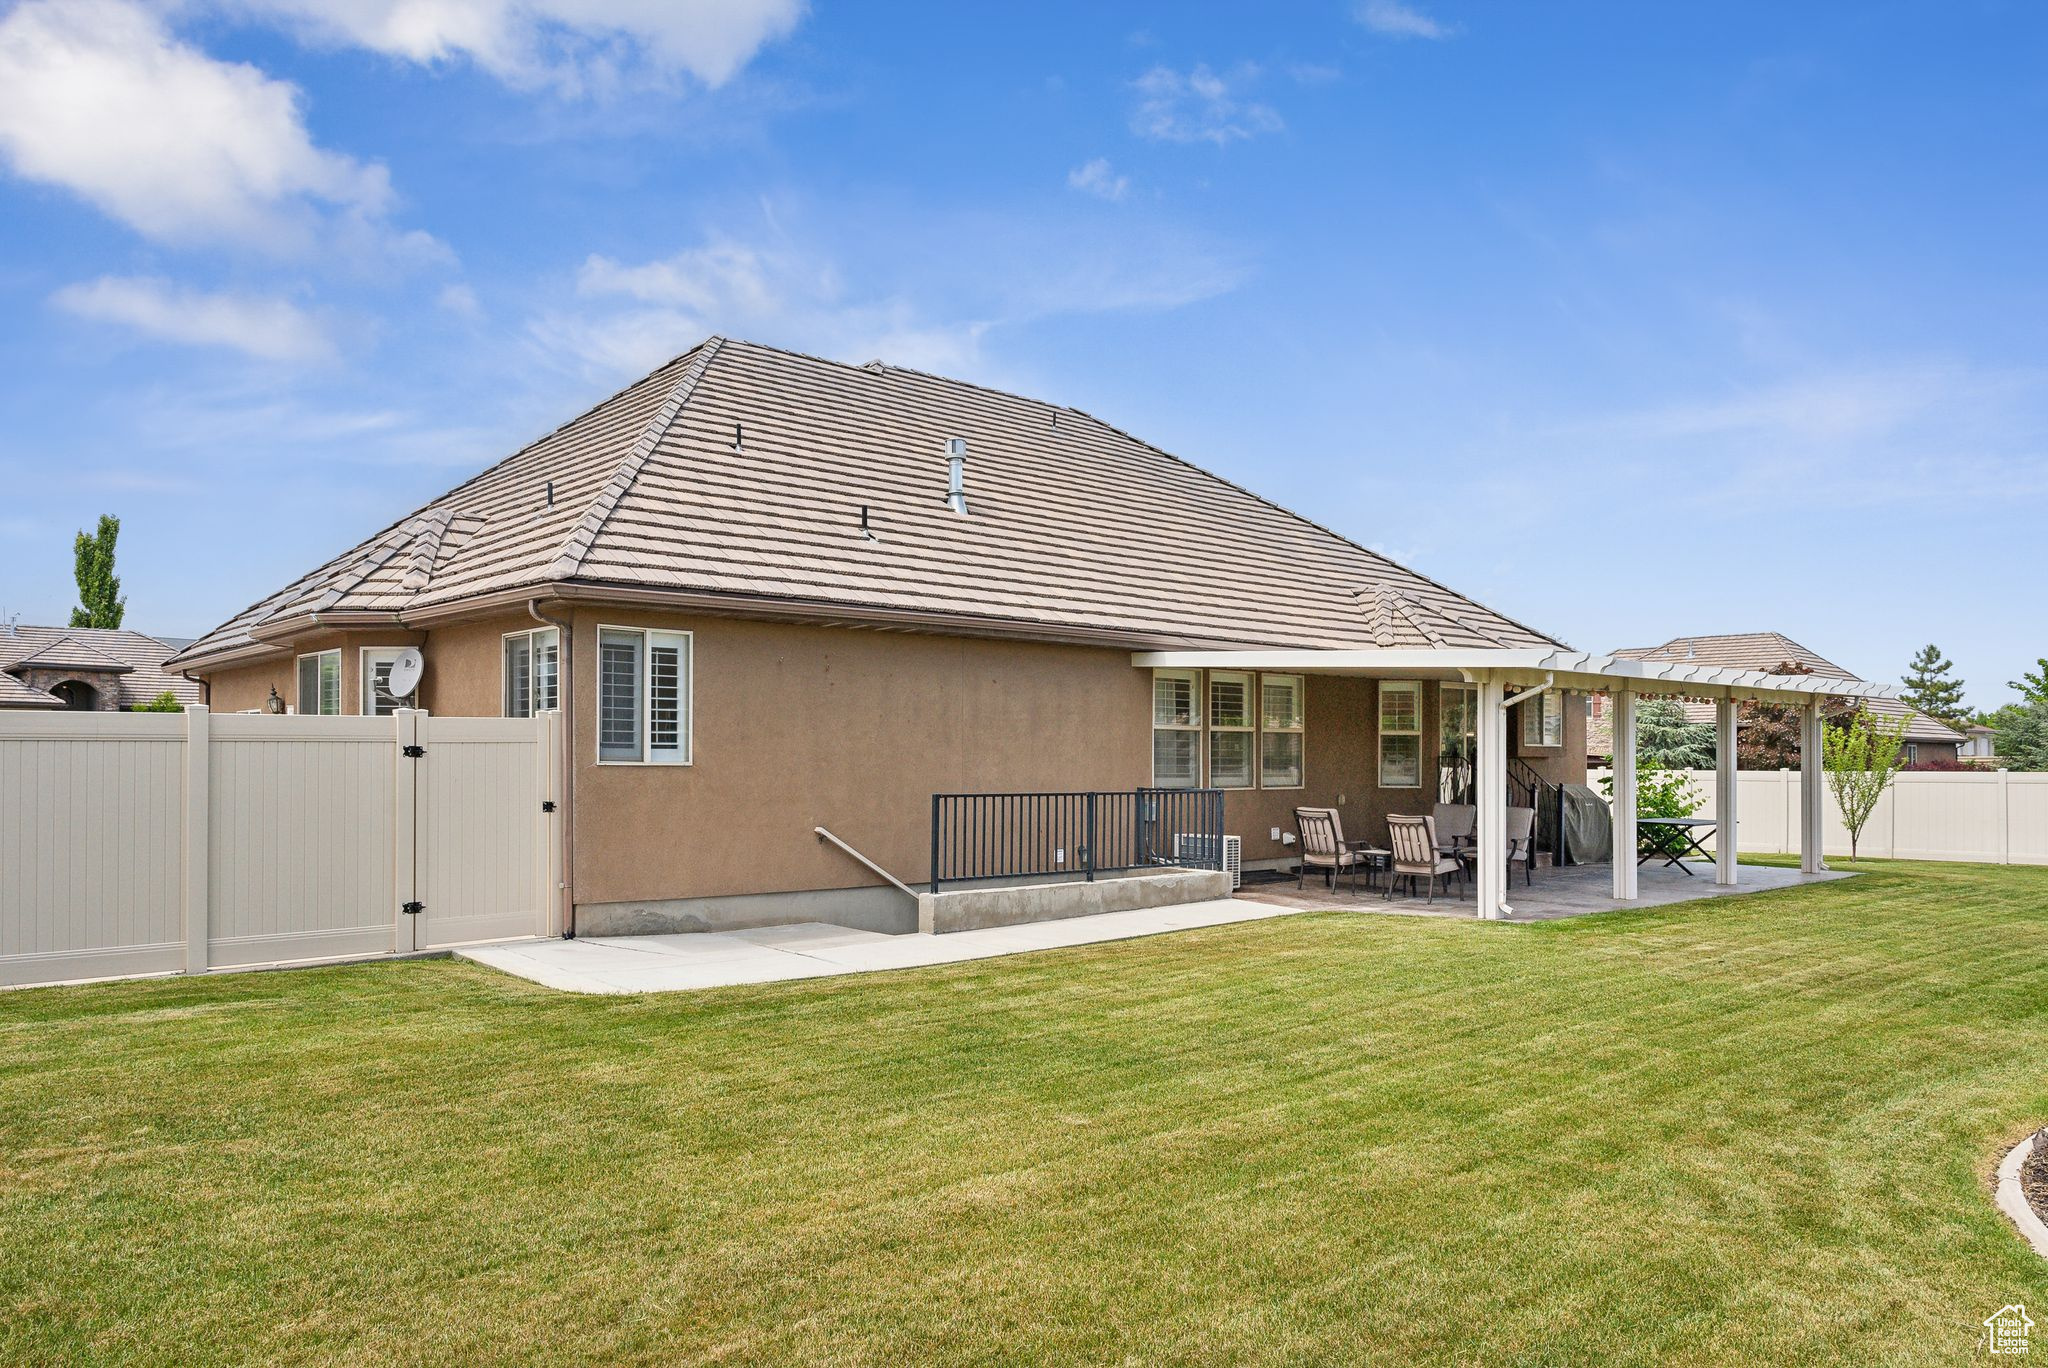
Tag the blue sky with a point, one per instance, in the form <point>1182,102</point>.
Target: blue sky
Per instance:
<point>1629,320</point>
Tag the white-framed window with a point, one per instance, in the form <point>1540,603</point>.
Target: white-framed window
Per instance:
<point>1280,731</point>
<point>1176,729</point>
<point>1543,720</point>
<point>530,671</point>
<point>643,696</point>
<point>1231,735</point>
<point>1400,733</point>
<point>320,683</point>
<point>376,673</point>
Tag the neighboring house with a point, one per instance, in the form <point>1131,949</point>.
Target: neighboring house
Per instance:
<point>1926,739</point>
<point>86,669</point>
<point>771,593</point>
<point>1979,744</point>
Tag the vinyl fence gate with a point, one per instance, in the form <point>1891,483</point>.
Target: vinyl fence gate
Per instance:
<point>139,843</point>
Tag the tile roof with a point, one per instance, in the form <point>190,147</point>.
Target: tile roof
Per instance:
<point>1761,651</point>
<point>134,660</point>
<point>741,470</point>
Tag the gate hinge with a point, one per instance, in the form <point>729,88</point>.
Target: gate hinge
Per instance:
<point>415,752</point>
<point>547,805</point>
<point>413,909</point>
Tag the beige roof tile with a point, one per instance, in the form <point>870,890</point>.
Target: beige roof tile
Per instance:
<point>130,662</point>
<point>1073,524</point>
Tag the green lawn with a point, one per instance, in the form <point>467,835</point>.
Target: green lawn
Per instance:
<point>1755,1129</point>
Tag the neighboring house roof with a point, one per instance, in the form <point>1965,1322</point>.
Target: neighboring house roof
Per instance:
<point>130,664</point>
<point>739,472</point>
<point>1760,651</point>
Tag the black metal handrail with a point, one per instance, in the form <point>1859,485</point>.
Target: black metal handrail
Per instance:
<point>978,836</point>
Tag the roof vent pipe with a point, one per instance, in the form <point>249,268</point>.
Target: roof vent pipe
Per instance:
<point>956,474</point>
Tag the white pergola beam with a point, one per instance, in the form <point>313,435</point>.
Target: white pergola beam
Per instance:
<point>1726,781</point>
<point>1624,804</point>
<point>1812,792</point>
<point>1490,794</point>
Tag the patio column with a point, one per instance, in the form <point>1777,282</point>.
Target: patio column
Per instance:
<point>1724,792</point>
<point>1490,795</point>
<point>1624,805</point>
<point>1812,792</point>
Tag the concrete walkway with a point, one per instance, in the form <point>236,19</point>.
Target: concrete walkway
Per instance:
<point>718,959</point>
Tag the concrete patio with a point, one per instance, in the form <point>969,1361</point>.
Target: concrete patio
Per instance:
<point>770,954</point>
<point>1572,891</point>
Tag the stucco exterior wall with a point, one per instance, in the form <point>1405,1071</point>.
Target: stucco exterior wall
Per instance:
<point>796,727</point>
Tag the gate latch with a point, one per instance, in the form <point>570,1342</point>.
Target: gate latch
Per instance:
<point>413,909</point>
<point>547,805</point>
<point>415,752</point>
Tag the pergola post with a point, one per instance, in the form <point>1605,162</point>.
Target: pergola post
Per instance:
<point>1624,805</point>
<point>1724,791</point>
<point>1490,795</point>
<point>1812,792</point>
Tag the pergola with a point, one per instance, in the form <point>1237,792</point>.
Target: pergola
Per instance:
<point>1532,672</point>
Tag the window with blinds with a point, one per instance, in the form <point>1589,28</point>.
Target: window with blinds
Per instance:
<point>1400,733</point>
<point>643,695</point>
<point>1176,729</point>
<point>377,699</point>
<point>530,672</point>
<point>320,684</point>
<point>619,699</point>
<point>1280,728</point>
<point>1230,730</point>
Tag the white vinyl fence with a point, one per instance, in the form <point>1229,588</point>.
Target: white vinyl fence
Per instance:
<point>137,843</point>
<point>1982,816</point>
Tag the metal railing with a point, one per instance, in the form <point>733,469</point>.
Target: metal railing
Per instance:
<point>977,836</point>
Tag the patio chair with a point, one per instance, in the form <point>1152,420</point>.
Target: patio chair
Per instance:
<point>1416,855</point>
<point>1323,847</point>
<point>1521,843</point>
<point>1457,825</point>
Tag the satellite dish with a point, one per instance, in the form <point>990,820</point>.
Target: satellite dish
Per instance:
<point>405,673</point>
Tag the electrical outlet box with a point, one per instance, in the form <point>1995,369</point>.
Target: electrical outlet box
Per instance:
<point>1276,834</point>
<point>1286,838</point>
<point>1059,856</point>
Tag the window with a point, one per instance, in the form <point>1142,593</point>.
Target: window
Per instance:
<point>1400,734</point>
<point>1543,720</point>
<point>320,684</point>
<point>643,696</point>
<point>1176,729</point>
<point>377,663</point>
<point>530,669</point>
<point>1912,753</point>
<point>1230,730</point>
<point>1280,731</point>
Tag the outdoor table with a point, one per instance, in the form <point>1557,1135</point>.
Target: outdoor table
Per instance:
<point>1683,839</point>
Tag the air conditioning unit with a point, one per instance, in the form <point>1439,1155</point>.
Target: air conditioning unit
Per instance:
<point>1194,848</point>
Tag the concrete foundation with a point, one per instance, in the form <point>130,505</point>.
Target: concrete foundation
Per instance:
<point>880,908</point>
<point>975,909</point>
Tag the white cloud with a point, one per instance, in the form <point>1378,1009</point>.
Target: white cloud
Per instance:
<point>1100,179</point>
<point>573,46</point>
<point>1200,106</point>
<point>460,300</point>
<point>971,277</point>
<point>1397,20</point>
<point>98,97</point>
<point>262,326</point>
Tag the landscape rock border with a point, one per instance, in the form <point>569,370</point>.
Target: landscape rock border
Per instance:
<point>2012,1197</point>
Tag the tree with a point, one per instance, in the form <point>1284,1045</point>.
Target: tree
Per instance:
<point>2033,685</point>
<point>1660,792</point>
<point>1663,735</point>
<point>1861,759</point>
<point>99,592</point>
<point>1931,691</point>
<point>1768,738</point>
<point>2021,736</point>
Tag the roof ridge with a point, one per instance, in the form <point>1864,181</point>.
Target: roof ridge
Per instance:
<point>569,559</point>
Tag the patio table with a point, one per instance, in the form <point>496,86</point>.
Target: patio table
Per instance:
<point>1674,838</point>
